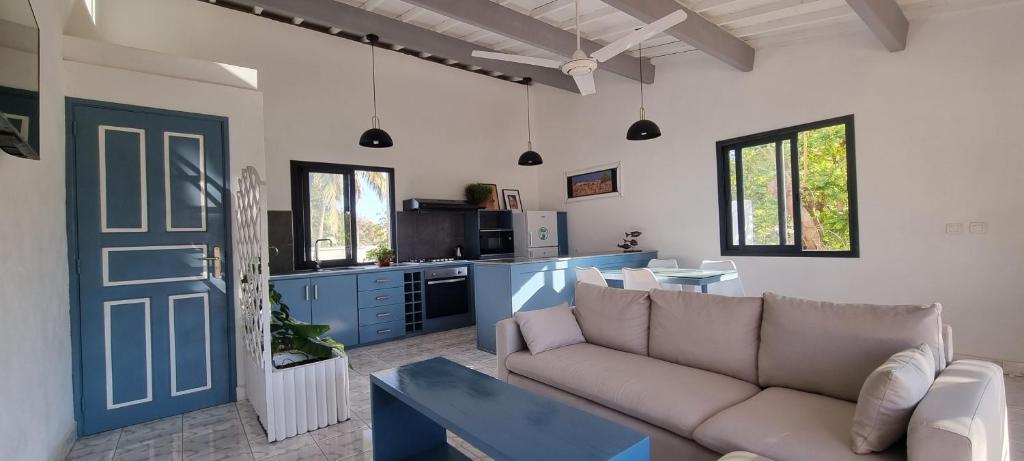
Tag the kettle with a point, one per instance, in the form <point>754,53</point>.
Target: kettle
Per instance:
<point>458,252</point>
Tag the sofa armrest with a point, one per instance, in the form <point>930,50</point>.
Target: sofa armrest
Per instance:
<point>962,417</point>
<point>509,340</point>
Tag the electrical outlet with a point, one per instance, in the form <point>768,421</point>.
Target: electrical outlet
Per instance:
<point>979,227</point>
<point>954,228</point>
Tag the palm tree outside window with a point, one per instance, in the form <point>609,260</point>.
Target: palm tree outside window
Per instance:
<point>348,209</point>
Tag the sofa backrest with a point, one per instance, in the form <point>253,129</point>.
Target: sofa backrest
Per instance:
<point>614,318</point>
<point>830,348</point>
<point>710,332</point>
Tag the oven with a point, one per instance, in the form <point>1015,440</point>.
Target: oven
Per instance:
<point>447,298</point>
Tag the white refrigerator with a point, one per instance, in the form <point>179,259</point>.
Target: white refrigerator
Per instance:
<point>536,234</point>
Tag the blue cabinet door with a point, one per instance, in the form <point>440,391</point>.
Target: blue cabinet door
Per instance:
<point>335,304</point>
<point>296,294</point>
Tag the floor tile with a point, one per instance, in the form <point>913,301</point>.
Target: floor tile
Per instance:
<point>99,447</point>
<point>364,456</point>
<point>347,445</point>
<point>305,453</point>
<point>211,420</point>
<point>335,430</point>
<point>165,447</point>
<point>218,444</point>
<point>151,430</point>
<point>262,449</point>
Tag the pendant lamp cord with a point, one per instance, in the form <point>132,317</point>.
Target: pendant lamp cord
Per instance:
<point>578,24</point>
<point>373,75</point>
<point>529,130</point>
<point>640,58</point>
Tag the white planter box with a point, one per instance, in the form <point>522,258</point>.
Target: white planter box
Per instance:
<point>306,398</point>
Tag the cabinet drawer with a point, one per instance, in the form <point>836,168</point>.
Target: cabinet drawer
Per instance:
<point>378,280</point>
<point>381,297</point>
<point>381,331</point>
<point>381,314</point>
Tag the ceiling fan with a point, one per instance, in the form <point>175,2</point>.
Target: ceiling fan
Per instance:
<point>581,67</point>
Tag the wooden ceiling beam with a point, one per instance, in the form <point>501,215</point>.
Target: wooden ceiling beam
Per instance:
<point>885,19</point>
<point>355,21</point>
<point>508,23</point>
<point>695,30</point>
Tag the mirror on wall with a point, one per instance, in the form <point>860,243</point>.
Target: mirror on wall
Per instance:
<point>19,79</point>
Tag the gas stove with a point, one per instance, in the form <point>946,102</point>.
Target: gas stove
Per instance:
<point>432,260</point>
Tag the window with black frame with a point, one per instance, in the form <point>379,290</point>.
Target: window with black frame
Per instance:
<point>790,192</point>
<point>340,212</point>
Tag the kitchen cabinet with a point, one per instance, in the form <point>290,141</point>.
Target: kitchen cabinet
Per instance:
<point>502,289</point>
<point>328,300</point>
<point>295,294</point>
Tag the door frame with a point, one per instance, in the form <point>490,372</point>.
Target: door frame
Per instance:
<point>74,293</point>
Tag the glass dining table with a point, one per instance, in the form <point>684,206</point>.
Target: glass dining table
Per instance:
<point>681,276</point>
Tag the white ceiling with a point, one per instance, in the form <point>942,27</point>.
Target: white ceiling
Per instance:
<point>758,22</point>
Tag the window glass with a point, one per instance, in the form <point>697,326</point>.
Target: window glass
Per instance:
<point>329,218</point>
<point>824,193</point>
<point>760,195</point>
<point>373,211</point>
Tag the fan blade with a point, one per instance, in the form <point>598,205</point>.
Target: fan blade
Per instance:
<point>585,83</point>
<point>517,58</point>
<point>610,50</point>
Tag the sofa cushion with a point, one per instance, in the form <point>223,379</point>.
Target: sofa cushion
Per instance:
<point>613,317</point>
<point>710,332</point>
<point>831,349</point>
<point>673,397</point>
<point>785,424</point>
<point>889,397</point>
<point>546,329</point>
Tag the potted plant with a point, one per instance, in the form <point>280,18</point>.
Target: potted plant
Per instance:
<point>309,382</point>
<point>382,254</point>
<point>478,193</point>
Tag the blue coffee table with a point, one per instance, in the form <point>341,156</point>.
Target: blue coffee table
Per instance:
<point>412,405</point>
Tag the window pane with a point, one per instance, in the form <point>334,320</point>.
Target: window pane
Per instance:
<point>787,187</point>
<point>328,218</point>
<point>760,195</point>
<point>373,211</point>
<point>732,197</point>
<point>824,197</point>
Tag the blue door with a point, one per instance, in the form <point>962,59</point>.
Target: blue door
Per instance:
<point>149,232</point>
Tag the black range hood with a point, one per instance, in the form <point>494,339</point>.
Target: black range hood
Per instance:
<point>431,204</point>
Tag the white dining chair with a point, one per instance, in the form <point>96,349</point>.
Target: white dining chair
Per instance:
<point>590,275</point>
<point>663,263</point>
<point>639,279</point>
<point>666,264</point>
<point>732,287</point>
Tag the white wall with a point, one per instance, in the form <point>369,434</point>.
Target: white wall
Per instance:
<point>938,140</point>
<point>36,391</point>
<point>450,127</point>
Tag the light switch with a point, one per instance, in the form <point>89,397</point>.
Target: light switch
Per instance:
<point>954,228</point>
<point>979,227</point>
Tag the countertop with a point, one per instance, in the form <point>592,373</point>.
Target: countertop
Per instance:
<point>407,266</point>
<point>561,258</point>
<point>364,269</point>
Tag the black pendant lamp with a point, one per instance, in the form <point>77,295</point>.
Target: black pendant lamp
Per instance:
<point>530,157</point>
<point>642,129</point>
<point>374,137</point>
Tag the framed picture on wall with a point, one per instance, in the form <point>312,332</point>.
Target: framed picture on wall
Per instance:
<point>599,181</point>
<point>512,200</point>
<point>492,202</point>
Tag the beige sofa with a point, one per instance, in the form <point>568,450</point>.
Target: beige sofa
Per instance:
<point>774,376</point>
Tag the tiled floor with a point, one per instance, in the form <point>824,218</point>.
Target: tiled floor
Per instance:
<point>231,432</point>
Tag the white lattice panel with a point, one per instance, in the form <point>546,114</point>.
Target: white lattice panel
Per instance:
<point>250,229</point>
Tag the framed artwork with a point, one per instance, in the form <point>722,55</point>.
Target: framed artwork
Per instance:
<point>492,202</point>
<point>595,182</point>
<point>512,199</point>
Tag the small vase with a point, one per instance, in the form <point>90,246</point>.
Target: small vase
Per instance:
<point>384,262</point>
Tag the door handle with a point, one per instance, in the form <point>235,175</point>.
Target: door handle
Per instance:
<point>382,297</point>
<point>218,262</point>
<point>383,315</point>
<point>316,292</point>
<point>384,331</point>
<point>306,296</point>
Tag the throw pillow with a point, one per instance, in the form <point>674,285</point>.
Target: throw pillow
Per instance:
<point>551,328</point>
<point>614,318</point>
<point>888,398</point>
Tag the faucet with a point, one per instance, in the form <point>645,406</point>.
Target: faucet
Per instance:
<point>316,251</point>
